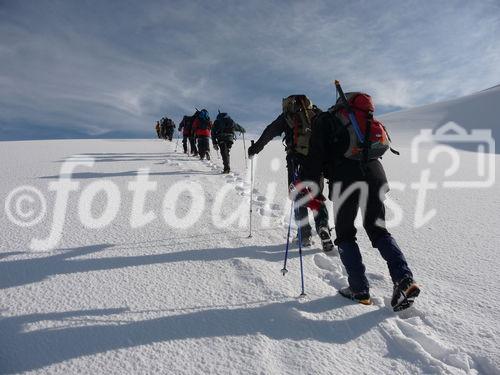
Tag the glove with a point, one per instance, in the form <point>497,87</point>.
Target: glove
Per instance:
<point>253,150</point>
<point>315,203</point>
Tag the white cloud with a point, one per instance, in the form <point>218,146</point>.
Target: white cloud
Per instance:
<point>89,65</point>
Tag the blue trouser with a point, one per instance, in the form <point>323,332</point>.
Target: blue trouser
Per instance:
<point>353,262</point>
<point>378,234</point>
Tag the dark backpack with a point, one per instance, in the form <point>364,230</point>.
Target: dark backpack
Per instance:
<point>226,124</point>
<point>204,119</point>
<point>299,113</point>
<point>371,140</point>
<point>165,121</point>
<point>188,123</point>
<point>224,128</point>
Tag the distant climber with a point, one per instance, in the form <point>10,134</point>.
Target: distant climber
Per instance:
<point>295,122</point>
<point>202,129</point>
<point>223,136</point>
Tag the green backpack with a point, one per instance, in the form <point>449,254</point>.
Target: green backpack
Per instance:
<point>299,112</point>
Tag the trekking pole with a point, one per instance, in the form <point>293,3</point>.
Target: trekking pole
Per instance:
<point>251,192</point>
<point>299,232</point>
<point>244,149</point>
<point>177,142</point>
<point>293,210</point>
<point>303,293</point>
<point>284,270</point>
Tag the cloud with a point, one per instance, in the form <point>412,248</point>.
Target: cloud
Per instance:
<point>97,68</point>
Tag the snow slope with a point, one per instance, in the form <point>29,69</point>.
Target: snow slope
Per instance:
<point>475,111</point>
<point>208,299</point>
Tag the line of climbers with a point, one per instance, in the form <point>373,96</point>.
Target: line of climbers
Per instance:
<point>342,145</point>
<point>198,129</point>
<point>165,128</point>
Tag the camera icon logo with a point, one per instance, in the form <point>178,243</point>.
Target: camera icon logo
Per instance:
<point>482,175</point>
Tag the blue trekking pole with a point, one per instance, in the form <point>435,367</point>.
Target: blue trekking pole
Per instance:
<point>293,210</point>
<point>299,229</point>
<point>284,270</point>
<point>303,293</point>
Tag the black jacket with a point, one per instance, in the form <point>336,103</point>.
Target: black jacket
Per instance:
<point>224,128</point>
<point>328,143</point>
<point>274,129</point>
<point>277,128</point>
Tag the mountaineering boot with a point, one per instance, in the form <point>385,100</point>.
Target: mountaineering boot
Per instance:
<point>226,170</point>
<point>306,236</point>
<point>404,294</point>
<point>361,297</point>
<point>207,155</point>
<point>306,240</point>
<point>326,241</point>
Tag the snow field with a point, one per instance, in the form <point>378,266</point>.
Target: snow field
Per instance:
<point>210,300</point>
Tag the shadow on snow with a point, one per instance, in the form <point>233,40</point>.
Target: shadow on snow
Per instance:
<point>30,350</point>
<point>24,350</point>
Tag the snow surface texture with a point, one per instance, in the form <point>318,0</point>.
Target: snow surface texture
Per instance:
<point>208,299</point>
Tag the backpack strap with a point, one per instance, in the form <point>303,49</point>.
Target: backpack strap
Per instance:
<point>367,142</point>
<point>394,151</point>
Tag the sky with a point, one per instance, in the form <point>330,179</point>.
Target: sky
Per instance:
<point>100,69</point>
